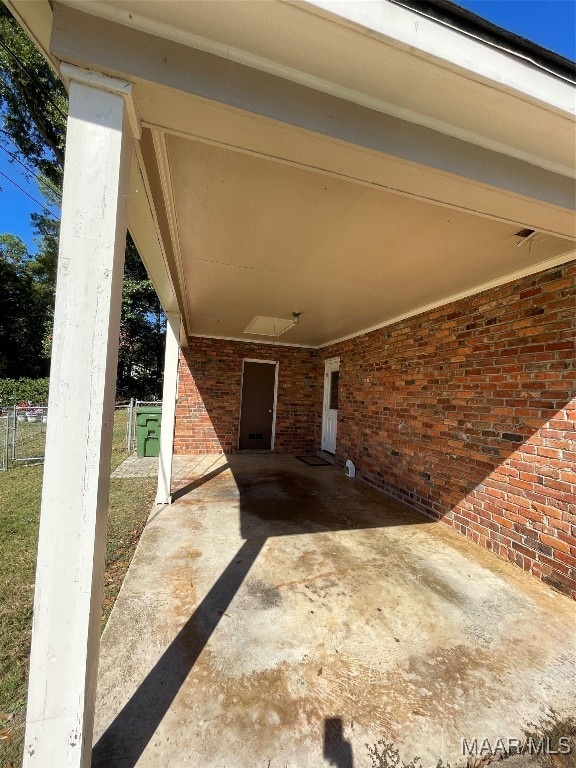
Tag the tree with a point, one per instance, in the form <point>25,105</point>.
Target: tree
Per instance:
<point>142,327</point>
<point>13,251</point>
<point>34,101</point>
<point>33,108</point>
<point>22,314</point>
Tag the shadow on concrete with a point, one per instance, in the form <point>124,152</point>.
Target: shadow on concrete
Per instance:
<point>125,740</point>
<point>292,499</point>
<point>337,750</point>
<point>273,501</point>
<point>197,483</point>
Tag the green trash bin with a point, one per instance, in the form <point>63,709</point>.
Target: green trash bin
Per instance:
<point>148,423</point>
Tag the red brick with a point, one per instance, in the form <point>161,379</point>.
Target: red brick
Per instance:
<point>568,559</point>
<point>433,393</point>
<point>555,543</point>
<point>208,406</point>
<point>503,521</point>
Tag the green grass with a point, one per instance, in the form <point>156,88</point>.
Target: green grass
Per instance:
<point>20,489</point>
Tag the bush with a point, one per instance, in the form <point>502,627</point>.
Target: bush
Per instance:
<point>14,391</point>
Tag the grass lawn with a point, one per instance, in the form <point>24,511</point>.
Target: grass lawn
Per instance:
<point>20,488</point>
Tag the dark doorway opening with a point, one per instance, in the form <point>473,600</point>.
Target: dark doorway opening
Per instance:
<point>258,405</point>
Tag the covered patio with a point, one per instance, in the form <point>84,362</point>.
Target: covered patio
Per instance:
<point>372,204</point>
<point>282,615</point>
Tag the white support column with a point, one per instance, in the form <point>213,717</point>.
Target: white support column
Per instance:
<point>169,396</point>
<point>72,542</point>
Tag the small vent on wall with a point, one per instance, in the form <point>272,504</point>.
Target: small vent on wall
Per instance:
<point>269,326</point>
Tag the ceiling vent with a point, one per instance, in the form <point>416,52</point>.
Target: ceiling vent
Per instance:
<point>526,236</point>
<point>269,326</point>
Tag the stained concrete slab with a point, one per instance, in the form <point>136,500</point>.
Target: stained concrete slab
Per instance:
<point>284,615</point>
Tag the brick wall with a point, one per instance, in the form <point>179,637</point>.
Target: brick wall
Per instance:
<point>467,413</point>
<point>208,409</point>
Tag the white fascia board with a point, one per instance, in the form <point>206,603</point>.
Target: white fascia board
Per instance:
<point>460,51</point>
<point>145,231</point>
<point>117,15</point>
<point>277,105</point>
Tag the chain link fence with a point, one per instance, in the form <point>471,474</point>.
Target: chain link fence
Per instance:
<point>4,441</point>
<point>23,432</point>
<point>28,433</point>
<point>22,435</point>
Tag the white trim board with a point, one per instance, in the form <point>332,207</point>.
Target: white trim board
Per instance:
<point>250,341</point>
<point>165,175</point>
<point>105,83</point>
<point>258,360</point>
<point>149,242</point>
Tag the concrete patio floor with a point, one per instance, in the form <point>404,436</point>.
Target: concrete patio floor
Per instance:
<point>283,615</point>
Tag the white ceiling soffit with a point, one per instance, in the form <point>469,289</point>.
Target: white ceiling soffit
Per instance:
<point>260,236</point>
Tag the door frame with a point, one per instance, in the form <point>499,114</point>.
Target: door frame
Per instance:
<point>331,364</point>
<point>265,362</point>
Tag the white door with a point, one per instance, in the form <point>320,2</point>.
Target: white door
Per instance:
<point>330,411</point>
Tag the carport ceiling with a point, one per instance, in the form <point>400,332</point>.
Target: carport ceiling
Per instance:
<point>258,237</point>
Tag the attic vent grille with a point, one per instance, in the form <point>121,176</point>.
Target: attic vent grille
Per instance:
<point>268,326</point>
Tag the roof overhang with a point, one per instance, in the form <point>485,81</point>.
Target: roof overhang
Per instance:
<point>386,109</point>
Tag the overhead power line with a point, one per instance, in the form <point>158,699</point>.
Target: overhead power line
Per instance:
<point>38,177</point>
<point>31,75</point>
<point>48,211</point>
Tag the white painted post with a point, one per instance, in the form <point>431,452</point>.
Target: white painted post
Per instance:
<point>169,396</point>
<point>72,542</point>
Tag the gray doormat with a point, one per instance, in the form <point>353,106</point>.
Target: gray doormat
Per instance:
<point>314,461</point>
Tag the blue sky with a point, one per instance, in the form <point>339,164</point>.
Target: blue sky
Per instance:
<point>550,23</point>
<point>15,206</point>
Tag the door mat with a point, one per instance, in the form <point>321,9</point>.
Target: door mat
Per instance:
<point>314,461</point>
